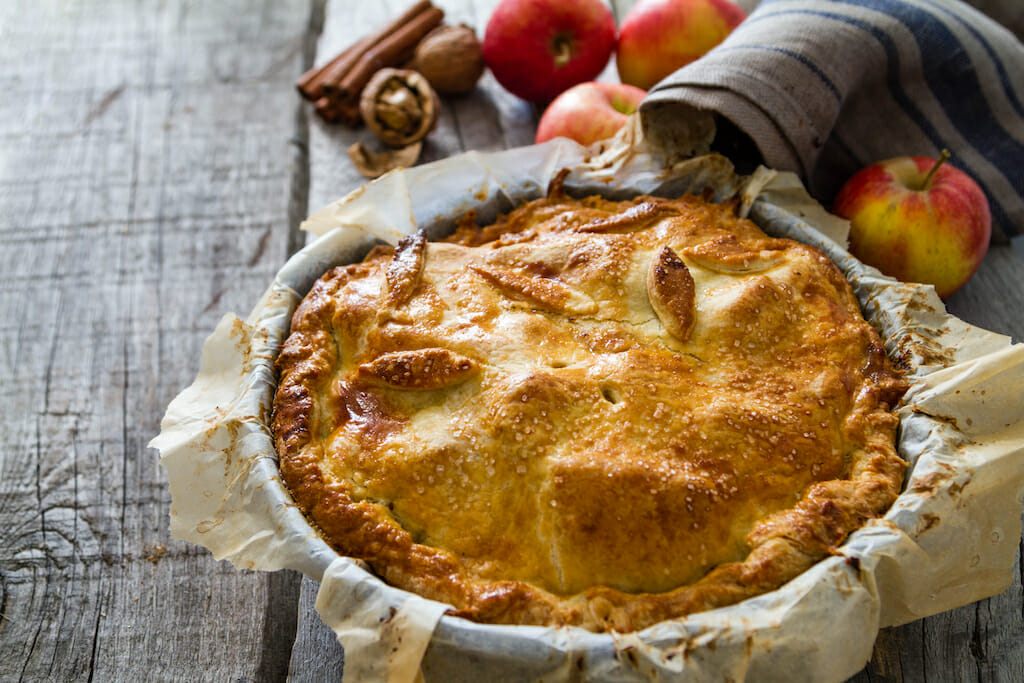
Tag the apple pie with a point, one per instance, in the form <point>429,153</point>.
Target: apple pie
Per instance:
<point>591,412</point>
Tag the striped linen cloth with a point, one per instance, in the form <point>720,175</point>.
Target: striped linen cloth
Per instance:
<point>826,87</point>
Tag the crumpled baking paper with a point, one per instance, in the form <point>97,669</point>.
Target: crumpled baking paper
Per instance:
<point>949,539</point>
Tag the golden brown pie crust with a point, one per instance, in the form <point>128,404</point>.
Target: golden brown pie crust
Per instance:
<point>596,413</point>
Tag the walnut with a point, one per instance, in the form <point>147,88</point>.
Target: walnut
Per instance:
<point>450,57</point>
<point>399,106</point>
<point>375,164</point>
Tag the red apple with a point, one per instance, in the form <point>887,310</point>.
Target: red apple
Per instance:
<point>659,36</point>
<point>917,219</point>
<point>589,112</point>
<point>539,48</point>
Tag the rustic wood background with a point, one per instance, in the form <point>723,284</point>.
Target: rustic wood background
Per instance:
<point>155,162</point>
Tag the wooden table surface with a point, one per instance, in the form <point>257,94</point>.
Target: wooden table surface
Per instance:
<point>155,163</point>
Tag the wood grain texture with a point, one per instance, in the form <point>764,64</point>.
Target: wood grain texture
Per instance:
<point>154,164</point>
<point>141,199</point>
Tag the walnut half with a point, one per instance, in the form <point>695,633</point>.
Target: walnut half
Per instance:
<point>399,106</point>
<point>375,164</point>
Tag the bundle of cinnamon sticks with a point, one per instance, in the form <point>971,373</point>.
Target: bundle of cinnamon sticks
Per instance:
<point>334,88</point>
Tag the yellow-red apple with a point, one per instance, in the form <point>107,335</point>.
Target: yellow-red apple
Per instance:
<point>918,220</point>
<point>659,36</point>
<point>540,48</point>
<point>589,112</point>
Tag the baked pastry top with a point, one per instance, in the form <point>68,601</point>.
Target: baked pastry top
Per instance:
<point>592,412</point>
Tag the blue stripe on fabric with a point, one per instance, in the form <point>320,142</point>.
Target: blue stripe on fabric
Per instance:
<point>822,76</point>
<point>1004,77</point>
<point>892,67</point>
<point>971,116</point>
<point>903,100</point>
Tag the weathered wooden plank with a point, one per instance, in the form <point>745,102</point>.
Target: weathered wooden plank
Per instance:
<point>153,163</point>
<point>994,299</point>
<point>317,656</point>
<point>144,189</point>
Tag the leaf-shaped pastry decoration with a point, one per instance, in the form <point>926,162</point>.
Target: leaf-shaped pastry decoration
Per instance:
<point>431,368</point>
<point>634,218</point>
<point>727,255</point>
<point>671,291</point>
<point>406,268</point>
<point>547,292</point>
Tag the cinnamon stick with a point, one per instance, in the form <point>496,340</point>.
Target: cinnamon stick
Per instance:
<point>334,110</point>
<point>311,84</point>
<point>391,51</point>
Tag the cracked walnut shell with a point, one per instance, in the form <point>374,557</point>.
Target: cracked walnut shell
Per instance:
<point>399,106</point>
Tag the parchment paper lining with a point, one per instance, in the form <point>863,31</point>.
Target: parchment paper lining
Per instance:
<point>950,539</point>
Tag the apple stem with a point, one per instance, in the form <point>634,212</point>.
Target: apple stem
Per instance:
<point>563,51</point>
<point>943,158</point>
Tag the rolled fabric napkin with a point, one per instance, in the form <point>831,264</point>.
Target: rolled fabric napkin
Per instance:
<point>826,87</point>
